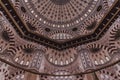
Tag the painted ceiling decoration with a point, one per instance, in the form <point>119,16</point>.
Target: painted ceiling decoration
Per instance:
<point>59,39</point>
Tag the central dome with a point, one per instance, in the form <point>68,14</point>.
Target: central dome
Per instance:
<point>60,2</point>
<point>61,12</point>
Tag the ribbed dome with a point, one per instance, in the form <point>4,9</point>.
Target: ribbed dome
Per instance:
<point>61,13</point>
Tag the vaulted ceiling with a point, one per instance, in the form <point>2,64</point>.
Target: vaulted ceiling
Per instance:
<point>59,39</point>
